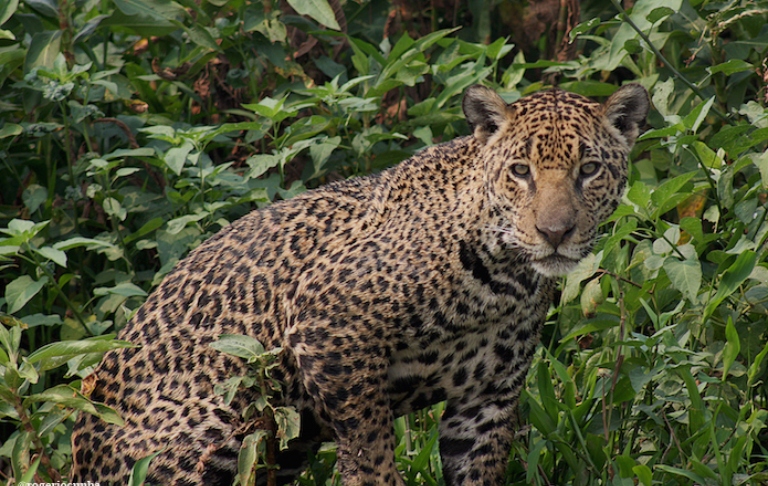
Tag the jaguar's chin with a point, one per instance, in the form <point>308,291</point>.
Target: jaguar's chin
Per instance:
<point>554,265</point>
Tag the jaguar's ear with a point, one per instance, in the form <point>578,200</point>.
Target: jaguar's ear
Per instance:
<point>627,110</point>
<point>485,111</point>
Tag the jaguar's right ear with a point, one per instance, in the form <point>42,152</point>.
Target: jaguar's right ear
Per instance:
<point>485,111</point>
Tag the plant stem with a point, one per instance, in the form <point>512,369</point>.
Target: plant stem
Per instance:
<point>26,422</point>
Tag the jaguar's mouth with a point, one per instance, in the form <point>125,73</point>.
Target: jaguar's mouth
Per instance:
<point>554,265</point>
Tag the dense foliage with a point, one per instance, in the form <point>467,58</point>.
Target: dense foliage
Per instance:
<point>131,130</point>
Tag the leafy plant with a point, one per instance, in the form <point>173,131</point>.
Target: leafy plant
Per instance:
<point>273,425</point>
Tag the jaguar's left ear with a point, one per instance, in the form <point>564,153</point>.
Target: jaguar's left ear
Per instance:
<point>627,110</point>
<point>485,111</point>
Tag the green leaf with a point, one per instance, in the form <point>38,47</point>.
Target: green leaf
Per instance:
<point>56,354</point>
<point>43,50</point>
<point>761,162</point>
<point>288,423</point>
<point>126,289</point>
<point>153,9</point>
<point>79,241</point>
<point>139,472</point>
<point>685,276</point>
<point>56,256</point>
<point>113,208</point>
<point>731,66</point>
<point>176,157</point>
<point>248,456</point>
<point>644,474</point>
<point>125,153</point>
<point>63,395</point>
<point>591,297</point>
<point>659,13</point>
<point>21,290</point>
<point>732,347</point>
<point>261,163</point>
<point>584,27</point>
<point>754,368</point>
<point>29,475</point>
<point>34,196</point>
<point>707,156</point>
<point>667,195</point>
<point>238,345</point>
<point>11,130</point>
<point>319,10</point>
<point>7,8</point>
<point>681,472</point>
<point>694,119</point>
<point>732,279</point>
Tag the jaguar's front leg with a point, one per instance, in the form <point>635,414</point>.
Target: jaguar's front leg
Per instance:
<point>475,439</point>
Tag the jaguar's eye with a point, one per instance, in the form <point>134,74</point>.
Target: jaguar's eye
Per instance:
<point>520,170</point>
<point>589,168</point>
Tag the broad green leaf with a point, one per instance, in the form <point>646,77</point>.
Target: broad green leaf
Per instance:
<point>29,475</point>
<point>697,408</point>
<point>153,9</point>
<point>319,10</point>
<point>56,256</point>
<point>34,196</point>
<point>754,368</point>
<point>56,354</point>
<point>7,8</point>
<point>47,8</point>
<point>113,208</point>
<point>732,279</point>
<point>249,455</point>
<point>732,347</point>
<point>79,241</point>
<point>707,156</point>
<point>43,50</point>
<point>147,228</point>
<point>659,13</point>
<point>584,27</point>
<point>668,194</point>
<point>142,25</point>
<point>685,276</point>
<point>139,472</point>
<point>288,423</point>
<point>126,289</point>
<point>21,291</point>
<point>176,157</point>
<point>547,391</point>
<point>108,414</point>
<point>176,225</point>
<point>694,119</point>
<point>125,153</point>
<point>11,130</point>
<point>238,345</point>
<point>591,297</point>
<point>732,66</point>
<point>63,395</point>
<point>676,471</point>
<point>261,163</point>
<point>761,162</point>
<point>199,35</point>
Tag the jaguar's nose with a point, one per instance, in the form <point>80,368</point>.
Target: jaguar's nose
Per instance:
<point>555,234</point>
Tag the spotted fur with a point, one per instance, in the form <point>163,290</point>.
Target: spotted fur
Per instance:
<point>388,293</point>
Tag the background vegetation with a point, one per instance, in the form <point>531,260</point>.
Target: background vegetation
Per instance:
<point>131,130</point>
